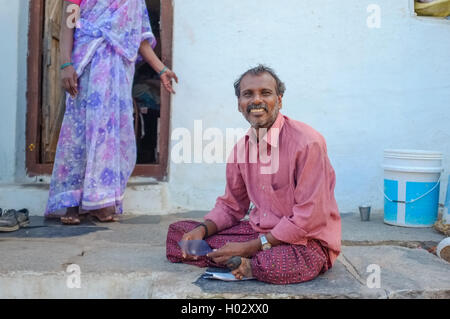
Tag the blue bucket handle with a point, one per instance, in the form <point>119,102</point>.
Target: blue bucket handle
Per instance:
<point>416,199</point>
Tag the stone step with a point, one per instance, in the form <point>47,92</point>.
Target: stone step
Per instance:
<point>127,260</point>
<point>141,198</point>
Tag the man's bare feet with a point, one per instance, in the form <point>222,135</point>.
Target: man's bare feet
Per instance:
<point>244,270</point>
<point>71,217</point>
<point>104,215</point>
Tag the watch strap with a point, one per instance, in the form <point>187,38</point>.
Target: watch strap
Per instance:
<point>264,242</point>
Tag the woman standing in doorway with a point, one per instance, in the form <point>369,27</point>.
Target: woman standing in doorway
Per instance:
<point>96,150</point>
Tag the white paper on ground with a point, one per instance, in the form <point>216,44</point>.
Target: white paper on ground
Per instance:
<point>225,276</point>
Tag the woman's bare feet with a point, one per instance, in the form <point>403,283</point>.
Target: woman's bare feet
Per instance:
<point>105,215</point>
<point>71,217</point>
<point>244,270</point>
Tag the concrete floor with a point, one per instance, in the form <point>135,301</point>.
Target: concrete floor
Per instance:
<point>127,260</point>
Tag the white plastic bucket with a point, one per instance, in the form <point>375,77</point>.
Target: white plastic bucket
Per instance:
<point>446,214</point>
<point>411,187</point>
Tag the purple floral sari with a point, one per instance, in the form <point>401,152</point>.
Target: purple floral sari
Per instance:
<point>96,150</point>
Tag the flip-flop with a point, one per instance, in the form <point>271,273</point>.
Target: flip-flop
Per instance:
<point>70,220</point>
<point>106,219</point>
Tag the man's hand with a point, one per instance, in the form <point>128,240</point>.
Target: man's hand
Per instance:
<point>196,234</point>
<point>69,80</point>
<point>229,250</point>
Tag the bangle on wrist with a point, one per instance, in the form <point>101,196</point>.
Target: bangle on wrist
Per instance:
<point>206,229</point>
<point>163,70</point>
<point>65,65</point>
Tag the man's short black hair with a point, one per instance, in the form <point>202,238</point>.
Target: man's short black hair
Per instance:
<point>260,69</point>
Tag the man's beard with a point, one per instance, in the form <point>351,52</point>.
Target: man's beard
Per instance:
<point>257,106</point>
<point>256,124</point>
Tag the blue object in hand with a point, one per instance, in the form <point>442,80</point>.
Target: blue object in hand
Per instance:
<point>195,247</point>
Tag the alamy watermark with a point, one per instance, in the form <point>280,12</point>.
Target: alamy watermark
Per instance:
<point>374,279</point>
<point>74,279</point>
<point>212,145</point>
<point>374,19</point>
<point>73,19</point>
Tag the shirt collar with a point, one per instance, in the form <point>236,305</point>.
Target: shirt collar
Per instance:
<point>273,134</point>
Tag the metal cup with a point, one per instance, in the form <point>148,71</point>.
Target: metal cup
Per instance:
<point>364,212</point>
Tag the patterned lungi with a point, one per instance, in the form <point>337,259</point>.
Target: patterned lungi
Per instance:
<point>283,264</point>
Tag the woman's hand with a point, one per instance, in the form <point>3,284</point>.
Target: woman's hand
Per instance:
<point>166,79</point>
<point>146,51</point>
<point>69,80</point>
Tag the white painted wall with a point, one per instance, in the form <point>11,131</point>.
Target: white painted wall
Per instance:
<point>9,26</point>
<point>22,55</point>
<point>364,89</point>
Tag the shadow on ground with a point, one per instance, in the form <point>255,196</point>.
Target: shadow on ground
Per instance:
<point>40,227</point>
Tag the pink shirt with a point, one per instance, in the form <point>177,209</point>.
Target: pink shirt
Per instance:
<point>297,202</point>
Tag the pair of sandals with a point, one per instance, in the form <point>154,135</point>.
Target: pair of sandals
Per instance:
<point>72,218</point>
<point>12,220</point>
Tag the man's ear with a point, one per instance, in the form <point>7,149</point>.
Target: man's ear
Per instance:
<point>239,105</point>
<point>280,101</point>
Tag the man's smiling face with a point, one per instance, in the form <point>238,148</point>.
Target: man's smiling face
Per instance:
<point>258,100</point>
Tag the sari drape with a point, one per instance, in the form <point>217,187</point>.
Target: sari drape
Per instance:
<point>96,151</point>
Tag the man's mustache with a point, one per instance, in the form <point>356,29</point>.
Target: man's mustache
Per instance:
<point>257,106</point>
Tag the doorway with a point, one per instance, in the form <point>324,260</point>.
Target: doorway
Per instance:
<point>46,97</point>
<point>146,96</point>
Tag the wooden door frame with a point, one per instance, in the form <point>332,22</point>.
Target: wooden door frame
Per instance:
<point>34,91</point>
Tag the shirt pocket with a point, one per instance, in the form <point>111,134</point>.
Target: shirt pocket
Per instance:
<point>282,200</point>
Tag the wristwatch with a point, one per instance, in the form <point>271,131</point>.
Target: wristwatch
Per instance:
<point>264,242</point>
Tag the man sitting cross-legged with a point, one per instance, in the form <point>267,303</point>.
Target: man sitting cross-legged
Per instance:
<point>281,165</point>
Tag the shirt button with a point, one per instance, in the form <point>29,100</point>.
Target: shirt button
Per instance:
<point>265,214</point>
